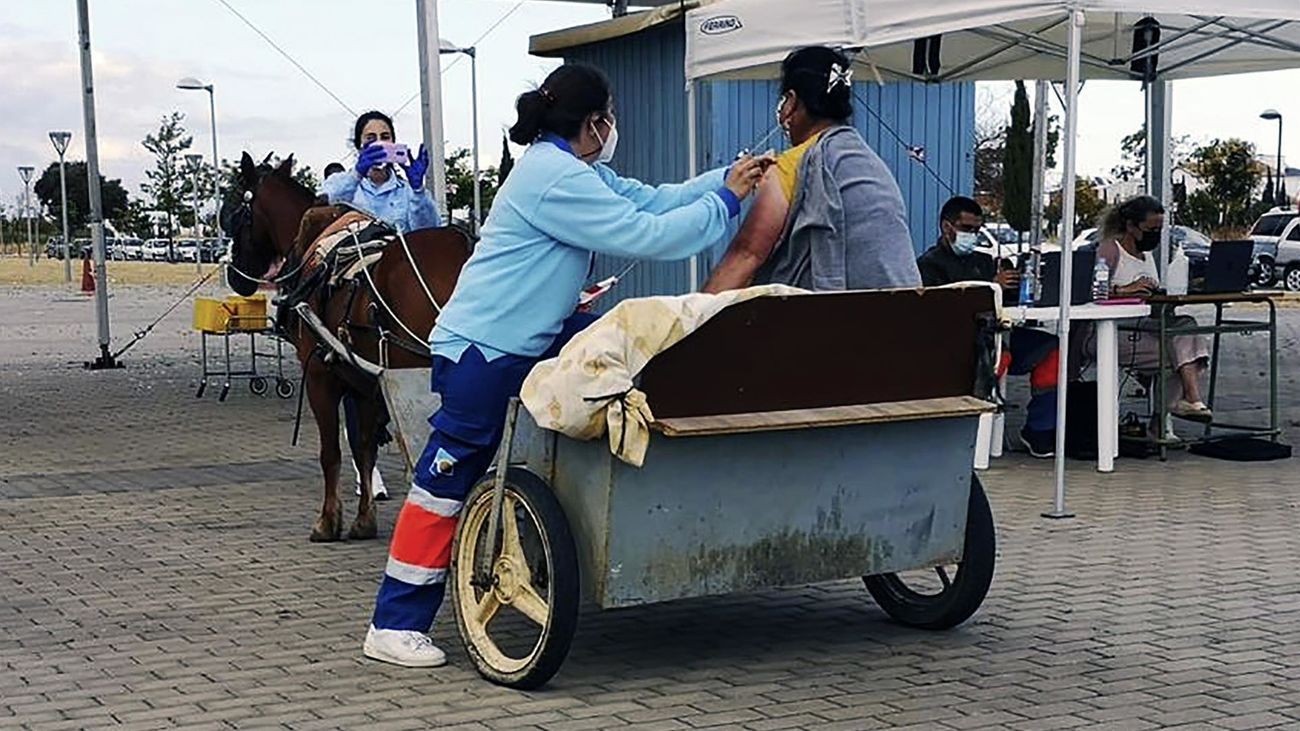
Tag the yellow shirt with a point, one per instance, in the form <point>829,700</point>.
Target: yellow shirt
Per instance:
<point>787,166</point>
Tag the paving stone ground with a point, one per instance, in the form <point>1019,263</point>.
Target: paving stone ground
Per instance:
<point>155,573</point>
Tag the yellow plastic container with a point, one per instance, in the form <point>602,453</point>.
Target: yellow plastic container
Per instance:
<point>249,313</point>
<point>210,315</point>
<point>233,313</point>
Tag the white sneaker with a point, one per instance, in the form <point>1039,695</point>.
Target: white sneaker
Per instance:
<point>402,647</point>
<point>377,489</point>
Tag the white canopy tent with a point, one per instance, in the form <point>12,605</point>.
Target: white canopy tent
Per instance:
<point>970,40</point>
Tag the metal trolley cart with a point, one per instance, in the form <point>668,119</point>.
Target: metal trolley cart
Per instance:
<point>239,317</point>
<point>796,439</point>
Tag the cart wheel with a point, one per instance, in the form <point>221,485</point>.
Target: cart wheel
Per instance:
<point>922,601</point>
<point>518,630</point>
<point>283,388</point>
<point>258,386</point>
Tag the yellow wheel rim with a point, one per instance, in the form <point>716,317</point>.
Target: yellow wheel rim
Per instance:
<point>513,580</point>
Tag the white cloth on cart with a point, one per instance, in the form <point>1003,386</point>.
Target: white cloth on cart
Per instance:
<point>588,390</point>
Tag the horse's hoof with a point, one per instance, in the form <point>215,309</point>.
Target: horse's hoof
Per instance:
<point>324,532</point>
<point>363,528</point>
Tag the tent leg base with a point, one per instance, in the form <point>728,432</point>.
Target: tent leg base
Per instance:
<point>104,362</point>
<point>1058,515</point>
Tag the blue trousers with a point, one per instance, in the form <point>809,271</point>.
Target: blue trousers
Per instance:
<point>467,431</point>
<point>1034,353</point>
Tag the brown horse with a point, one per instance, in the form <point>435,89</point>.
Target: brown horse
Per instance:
<point>265,220</point>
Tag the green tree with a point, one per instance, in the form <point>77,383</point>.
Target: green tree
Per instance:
<point>1230,175</point>
<point>1018,164</point>
<point>460,183</point>
<point>1088,207</point>
<point>1133,154</point>
<point>507,161</point>
<point>112,194</point>
<point>165,183</point>
<point>134,219</point>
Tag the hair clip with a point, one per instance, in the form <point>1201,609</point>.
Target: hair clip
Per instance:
<point>839,75</point>
<point>546,94</point>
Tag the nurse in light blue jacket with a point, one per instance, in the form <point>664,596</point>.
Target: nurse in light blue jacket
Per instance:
<point>514,305</point>
<point>375,187</point>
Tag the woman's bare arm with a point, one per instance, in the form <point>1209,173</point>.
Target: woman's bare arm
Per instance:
<point>756,239</point>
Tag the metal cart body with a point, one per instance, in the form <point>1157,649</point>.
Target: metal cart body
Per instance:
<point>814,461</point>
<point>793,507</point>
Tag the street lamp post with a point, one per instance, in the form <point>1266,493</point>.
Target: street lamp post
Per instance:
<point>1271,115</point>
<point>472,52</point>
<point>189,83</point>
<point>196,161</point>
<point>60,141</point>
<point>25,173</point>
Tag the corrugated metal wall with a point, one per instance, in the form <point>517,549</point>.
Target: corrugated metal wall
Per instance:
<point>649,83</point>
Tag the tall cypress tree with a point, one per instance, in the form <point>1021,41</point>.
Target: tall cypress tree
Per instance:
<point>1018,164</point>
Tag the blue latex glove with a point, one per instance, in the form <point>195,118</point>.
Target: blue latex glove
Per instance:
<point>416,170</point>
<point>370,155</point>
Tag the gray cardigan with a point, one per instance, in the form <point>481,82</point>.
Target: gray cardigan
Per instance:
<point>847,227</point>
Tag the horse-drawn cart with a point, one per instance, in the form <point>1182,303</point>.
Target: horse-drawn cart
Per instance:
<point>796,439</point>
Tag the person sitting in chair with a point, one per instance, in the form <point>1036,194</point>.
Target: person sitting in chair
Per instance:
<point>1130,233</point>
<point>954,259</point>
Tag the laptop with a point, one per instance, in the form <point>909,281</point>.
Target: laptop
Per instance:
<point>1228,269</point>
<point>1080,278</point>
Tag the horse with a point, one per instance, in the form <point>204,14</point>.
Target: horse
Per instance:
<point>271,219</point>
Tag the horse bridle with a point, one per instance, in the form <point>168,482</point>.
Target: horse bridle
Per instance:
<point>236,222</point>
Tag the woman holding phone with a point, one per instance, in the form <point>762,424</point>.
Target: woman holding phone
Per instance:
<point>373,187</point>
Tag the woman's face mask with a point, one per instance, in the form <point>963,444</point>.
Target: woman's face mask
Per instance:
<point>1148,240</point>
<point>608,143</point>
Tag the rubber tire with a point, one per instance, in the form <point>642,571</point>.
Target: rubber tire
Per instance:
<point>968,588</point>
<point>1291,278</point>
<point>258,386</point>
<point>563,572</point>
<point>284,388</point>
<point>1264,276</point>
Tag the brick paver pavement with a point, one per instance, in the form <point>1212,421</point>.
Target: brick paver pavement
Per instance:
<point>154,572</point>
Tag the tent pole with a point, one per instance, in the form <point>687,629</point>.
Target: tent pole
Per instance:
<point>1071,138</point>
<point>1040,170</point>
<point>1159,117</point>
<point>692,166</point>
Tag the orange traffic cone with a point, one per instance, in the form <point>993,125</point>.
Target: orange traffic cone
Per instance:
<point>87,279</point>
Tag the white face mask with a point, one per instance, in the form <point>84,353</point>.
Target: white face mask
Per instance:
<point>608,145</point>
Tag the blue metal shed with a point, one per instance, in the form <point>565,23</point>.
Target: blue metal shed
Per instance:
<point>643,56</point>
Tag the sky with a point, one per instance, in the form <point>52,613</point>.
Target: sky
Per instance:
<point>366,54</point>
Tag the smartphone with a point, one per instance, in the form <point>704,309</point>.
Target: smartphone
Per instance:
<point>395,152</point>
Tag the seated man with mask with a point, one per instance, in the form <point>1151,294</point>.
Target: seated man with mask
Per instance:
<point>954,259</point>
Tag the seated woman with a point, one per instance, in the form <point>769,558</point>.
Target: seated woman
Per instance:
<point>373,186</point>
<point>829,215</point>
<point>1130,235</point>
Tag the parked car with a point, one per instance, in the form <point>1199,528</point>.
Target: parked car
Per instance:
<point>185,250</point>
<point>157,250</point>
<point>213,249</point>
<point>1277,243</point>
<point>132,249</point>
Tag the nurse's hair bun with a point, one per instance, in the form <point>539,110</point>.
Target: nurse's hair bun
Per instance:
<point>561,104</point>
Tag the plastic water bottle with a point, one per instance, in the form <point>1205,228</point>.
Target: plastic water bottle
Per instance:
<point>1100,281</point>
<point>1028,282</point>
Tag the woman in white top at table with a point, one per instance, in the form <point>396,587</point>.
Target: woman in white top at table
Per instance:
<point>1130,237</point>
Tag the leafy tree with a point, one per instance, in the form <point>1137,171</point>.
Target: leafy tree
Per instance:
<point>1230,175</point>
<point>112,195</point>
<point>460,183</point>
<point>1088,207</point>
<point>507,161</point>
<point>1133,154</point>
<point>1018,163</point>
<point>165,183</point>
<point>134,219</point>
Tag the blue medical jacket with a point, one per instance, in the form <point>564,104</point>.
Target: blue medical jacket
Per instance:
<point>394,201</point>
